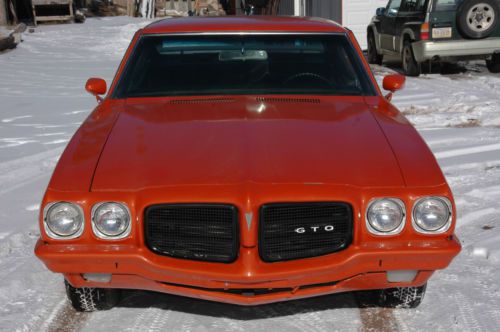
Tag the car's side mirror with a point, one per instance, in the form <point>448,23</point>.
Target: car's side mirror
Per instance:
<point>96,87</point>
<point>380,11</point>
<point>393,83</point>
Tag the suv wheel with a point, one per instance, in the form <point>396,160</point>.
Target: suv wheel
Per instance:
<point>410,66</point>
<point>494,64</point>
<point>373,57</point>
<point>92,299</point>
<point>478,19</point>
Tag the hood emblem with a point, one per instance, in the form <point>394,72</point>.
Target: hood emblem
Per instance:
<point>249,217</point>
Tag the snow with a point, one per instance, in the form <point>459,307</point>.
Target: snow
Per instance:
<point>42,103</point>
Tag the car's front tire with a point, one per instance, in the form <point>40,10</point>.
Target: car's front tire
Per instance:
<point>494,64</point>
<point>92,299</point>
<point>400,297</point>
<point>410,66</point>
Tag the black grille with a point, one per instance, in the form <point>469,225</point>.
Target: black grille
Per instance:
<point>301,230</point>
<point>207,232</point>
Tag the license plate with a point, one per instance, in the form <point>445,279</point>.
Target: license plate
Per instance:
<point>441,33</point>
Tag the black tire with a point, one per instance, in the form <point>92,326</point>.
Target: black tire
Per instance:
<point>410,66</point>
<point>487,13</point>
<point>402,297</point>
<point>373,57</point>
<point>494,64</point>
<point>92,299</point>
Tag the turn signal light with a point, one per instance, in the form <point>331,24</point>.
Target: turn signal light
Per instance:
<point>424,31</point>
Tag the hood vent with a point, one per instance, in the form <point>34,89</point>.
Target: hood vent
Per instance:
<point>201,101</point>
<point>288,100</point>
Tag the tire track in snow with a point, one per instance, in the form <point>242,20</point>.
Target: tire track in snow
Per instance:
<point>16,173</point>
<point>467,313</point>
<point>64,318</point>
<point>467,151</point>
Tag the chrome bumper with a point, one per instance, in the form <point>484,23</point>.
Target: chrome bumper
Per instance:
<point>426,50</point>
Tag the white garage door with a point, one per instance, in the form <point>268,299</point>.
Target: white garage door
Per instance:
<point>357,14</point>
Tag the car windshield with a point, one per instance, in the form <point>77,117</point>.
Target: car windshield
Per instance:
<point>181,65</point>
<point>446,5</point>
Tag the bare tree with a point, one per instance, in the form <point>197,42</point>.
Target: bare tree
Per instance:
<point>272,7</point>
<point>3,12</point>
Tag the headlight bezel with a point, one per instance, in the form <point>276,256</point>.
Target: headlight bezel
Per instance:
<point>441,230</point>
<point>398,229</point>
<point>52,234</point>
<point>103,236</point>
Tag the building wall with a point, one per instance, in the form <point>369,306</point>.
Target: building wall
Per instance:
<point>353,14</point>
<point>357,14</point>
<point>331,9</point>
<point>286,7</point>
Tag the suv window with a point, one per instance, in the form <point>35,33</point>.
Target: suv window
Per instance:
<point>446,5</point>
<point>413,6</point>
<point>393,7</point>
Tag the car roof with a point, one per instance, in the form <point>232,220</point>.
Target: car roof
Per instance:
<point>207,24</point>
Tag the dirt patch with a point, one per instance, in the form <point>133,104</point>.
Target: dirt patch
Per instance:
<point>67,319</point>
<point>378,320</point>
<point>467,124</point>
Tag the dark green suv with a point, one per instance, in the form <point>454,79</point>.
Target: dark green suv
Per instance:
<point>421,31</point>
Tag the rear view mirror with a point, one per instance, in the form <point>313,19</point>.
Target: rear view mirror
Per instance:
<point>96,87</point>
<point>380,11</point>
<point>243,56</point>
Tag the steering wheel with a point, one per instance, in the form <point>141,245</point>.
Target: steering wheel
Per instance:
<point>307,75</point>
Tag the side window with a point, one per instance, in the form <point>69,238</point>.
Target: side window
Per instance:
<point>393,8</point>
<point>413,6</point>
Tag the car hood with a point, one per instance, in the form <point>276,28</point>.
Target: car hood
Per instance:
<point>218,141</point>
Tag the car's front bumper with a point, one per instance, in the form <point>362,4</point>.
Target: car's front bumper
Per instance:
<point>249,281</point>
<point>446,49</point>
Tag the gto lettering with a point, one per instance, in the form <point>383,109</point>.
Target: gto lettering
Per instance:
<point>314,229</point>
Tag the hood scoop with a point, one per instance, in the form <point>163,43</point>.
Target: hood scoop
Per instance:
<point>201,101</point>
<point>288,100</point>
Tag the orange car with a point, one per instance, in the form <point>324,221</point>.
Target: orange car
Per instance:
<point>247,161</point>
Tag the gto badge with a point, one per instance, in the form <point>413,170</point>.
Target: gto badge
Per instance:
<point>314,229</point>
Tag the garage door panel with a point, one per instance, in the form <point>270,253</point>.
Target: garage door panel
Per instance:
<point>358,14</point>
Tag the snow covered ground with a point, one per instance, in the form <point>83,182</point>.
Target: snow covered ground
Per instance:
<point>42,102</point>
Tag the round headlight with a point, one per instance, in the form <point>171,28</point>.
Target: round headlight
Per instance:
<point>386,216</point>
<point>432,215</point>
<point>64,220</point>
<point>111,220</point>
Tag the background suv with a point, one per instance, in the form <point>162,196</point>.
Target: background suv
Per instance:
<point>436,30</point>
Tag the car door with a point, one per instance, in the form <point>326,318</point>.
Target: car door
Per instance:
<point>411,14</point>
<point>387,26</point>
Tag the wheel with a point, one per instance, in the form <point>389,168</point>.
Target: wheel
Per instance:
<point>410,66</point>
<point>478,19</point>
<point>494,64</point>
<point>402,297</point>
<point>92,299</point>
<point>373,56</point>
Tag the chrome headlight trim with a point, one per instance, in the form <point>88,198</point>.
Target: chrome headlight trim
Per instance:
<point>54,235</point>
<point>397,230</point>
<point>441,230</point>
<point>103,236</point>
